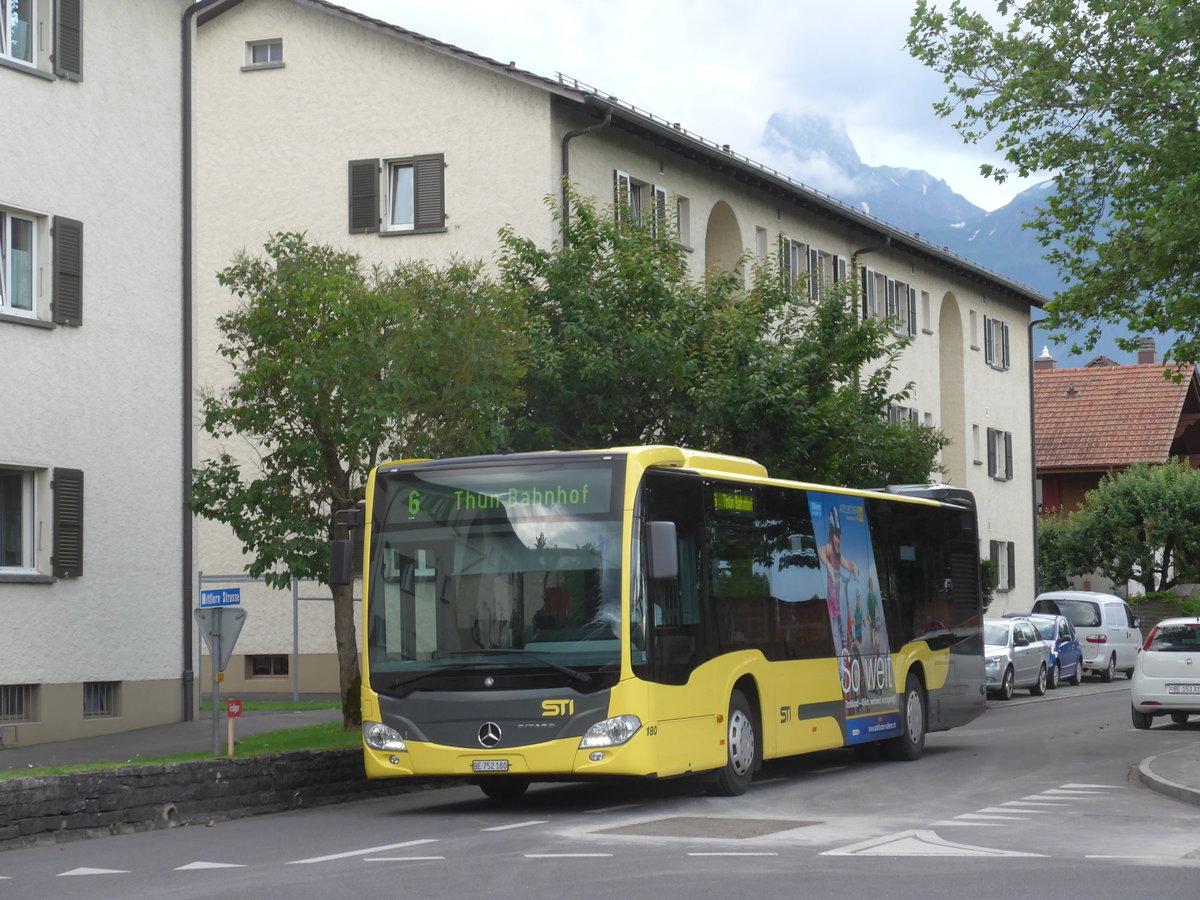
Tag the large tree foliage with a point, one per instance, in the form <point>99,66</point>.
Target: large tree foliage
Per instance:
<point>628,348</point>
<point>334,369</point>
<point>1142,525</point>
<point>1105,94</point>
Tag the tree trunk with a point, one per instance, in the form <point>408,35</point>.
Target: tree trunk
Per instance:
<point>349,683</point>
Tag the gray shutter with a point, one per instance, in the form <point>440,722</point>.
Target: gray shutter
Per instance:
<point>1012,565</point>
<point>912,312</point>
<point>994,555</point>
<point>1004,358</point>
<point>429,179</point>
<point>68,39</point>
<point>66,298</point>
<point>364,196</point>
<point>1008,455</point>
<point>991,450</point>
<point>67,558</point>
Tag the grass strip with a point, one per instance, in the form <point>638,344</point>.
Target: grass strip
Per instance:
<point>327,736</point>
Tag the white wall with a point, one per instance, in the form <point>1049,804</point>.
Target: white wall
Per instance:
<point>103,397</point>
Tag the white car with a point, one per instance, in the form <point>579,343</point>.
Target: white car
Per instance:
<point>1166,676</point>
<point>1014,655</point>
<point>1109,633</point>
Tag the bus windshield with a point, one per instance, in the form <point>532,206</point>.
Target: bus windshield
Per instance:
<point>495,568</point>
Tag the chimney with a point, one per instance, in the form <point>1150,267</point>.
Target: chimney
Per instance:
<point>1045,362</point>
<point>1146,352</point>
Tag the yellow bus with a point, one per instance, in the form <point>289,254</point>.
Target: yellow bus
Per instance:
<point>655,612</point>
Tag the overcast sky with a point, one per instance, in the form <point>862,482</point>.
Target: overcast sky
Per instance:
<point>721,68</point>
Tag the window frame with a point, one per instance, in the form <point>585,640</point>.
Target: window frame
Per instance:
<point>7,216</point>
<point>28,523</point>
<point>250,65</point>
<point>7,8</point>
<point>1000,454</point>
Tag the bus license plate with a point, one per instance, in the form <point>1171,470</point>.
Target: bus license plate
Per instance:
<point>489,765</point>
<point>1183,688</point>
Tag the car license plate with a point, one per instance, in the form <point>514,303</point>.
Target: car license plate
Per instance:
<point>1183,688</point>
<point>489,765</point>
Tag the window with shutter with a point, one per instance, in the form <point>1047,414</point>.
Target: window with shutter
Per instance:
<point>66,303</point>
<point>991,452</point>
<point>870,302</point>
<point>912,312</point>
<point>1008,456</point>
<point>405,195</point>
<point>1011,580</point>
<point>989,340</point>
<point>67,558</point>
<point>1004,360</point>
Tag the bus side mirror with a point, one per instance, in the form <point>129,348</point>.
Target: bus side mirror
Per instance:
<point>662,552</point>
<point>341,562</point>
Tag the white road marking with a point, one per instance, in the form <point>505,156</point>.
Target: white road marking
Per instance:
<point>567,855</point>
<point>87,871</point>
<point>364,852</point>
<point>1106,787</point>
<point>990,816</point>
<point>971,824</point>
<point>209,865</point>
<point>918,843</point>
<point>1040,798</point>
<point>1007,809</point>
<point>403,858</point>
<point>516,825</point>
<point>731,853</point>
<point>1071,792</point>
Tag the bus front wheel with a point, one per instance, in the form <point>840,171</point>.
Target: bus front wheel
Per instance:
<point>911,742</point>
<point>742,746</point>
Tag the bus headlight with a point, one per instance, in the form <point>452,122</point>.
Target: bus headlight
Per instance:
<point>611,732</point>
<point>380,737</point>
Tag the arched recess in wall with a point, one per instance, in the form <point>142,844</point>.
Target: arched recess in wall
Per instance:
<point>953,394</point>
<point>723,239</point>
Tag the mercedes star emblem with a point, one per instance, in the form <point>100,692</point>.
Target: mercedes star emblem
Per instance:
<point>489,734</point>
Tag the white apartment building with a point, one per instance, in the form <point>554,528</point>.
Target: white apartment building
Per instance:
<point>93,576</point>
<point>361,134</point>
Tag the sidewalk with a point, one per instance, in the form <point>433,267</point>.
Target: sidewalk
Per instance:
<point>158,740</point>
<point>1175,773</point>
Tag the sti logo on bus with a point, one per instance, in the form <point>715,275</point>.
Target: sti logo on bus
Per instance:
<point>558,708</point>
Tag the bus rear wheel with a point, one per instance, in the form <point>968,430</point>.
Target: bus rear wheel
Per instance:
<point>911,742</point>
<point>742,746</point>
<point>503,787</point>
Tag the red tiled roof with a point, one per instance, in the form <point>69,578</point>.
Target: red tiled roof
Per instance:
<point>1107,416</point>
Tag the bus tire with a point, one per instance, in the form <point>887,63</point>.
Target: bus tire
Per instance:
<point>742,748</point>
<point>911,742</point>
<point>503,787</point>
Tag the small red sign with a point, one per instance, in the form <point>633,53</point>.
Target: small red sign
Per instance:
<point>233,708</point>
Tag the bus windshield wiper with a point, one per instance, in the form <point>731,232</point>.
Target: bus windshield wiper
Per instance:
<point>431,673</point>
<point>581,677</point>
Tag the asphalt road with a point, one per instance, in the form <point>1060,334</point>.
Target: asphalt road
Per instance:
<point>1034,797</point>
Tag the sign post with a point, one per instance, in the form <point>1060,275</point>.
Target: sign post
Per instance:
<point>233,710</point>
<point>220,627</point>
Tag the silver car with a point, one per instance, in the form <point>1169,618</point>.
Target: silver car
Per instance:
<point>1014,655</point>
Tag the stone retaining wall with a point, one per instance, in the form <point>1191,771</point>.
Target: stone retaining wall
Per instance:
<point>57,808</point>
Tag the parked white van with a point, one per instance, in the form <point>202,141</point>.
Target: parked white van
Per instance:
<point>1108,631</point>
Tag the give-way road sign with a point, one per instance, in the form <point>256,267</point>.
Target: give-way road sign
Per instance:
<point>220,627</point>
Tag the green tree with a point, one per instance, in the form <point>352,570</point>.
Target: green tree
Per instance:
<point>1143,525</point>
<point>1060,551</point>
<point>1102,93</point>
<point>334,369</point>
<point>628,348</point>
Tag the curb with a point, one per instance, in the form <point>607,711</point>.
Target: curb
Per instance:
<point>1146,776</point>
